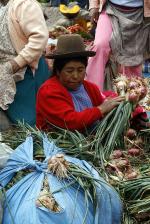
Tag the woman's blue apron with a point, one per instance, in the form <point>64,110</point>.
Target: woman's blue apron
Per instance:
<point>24,106</point>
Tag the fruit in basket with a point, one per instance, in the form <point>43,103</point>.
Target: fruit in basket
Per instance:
<point>70,11</point>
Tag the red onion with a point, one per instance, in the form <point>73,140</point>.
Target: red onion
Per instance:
<point>134,152</point>
<point>133,97</point>
<point>132,85</point>
<point>143,92</point>
<point>122,163</point>
<point>138,142</point>
<point>117,154</point>
<point>132,175</point>
<point>131,133</point>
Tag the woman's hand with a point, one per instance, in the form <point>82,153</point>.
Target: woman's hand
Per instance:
<point>14,65</point>
<point>94,14</point>
<point>110,103</point>
<point>95,11</point>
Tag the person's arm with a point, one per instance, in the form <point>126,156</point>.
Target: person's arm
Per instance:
<point>31,20</point>
<point>95,7</point>
<point>93,4</point>
<point>110,103</point>
<point>96,3</point>
<point>57,109</point>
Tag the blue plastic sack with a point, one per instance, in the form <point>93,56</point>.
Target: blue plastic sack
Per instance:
<point>1,207</point>
<point>75,209</point>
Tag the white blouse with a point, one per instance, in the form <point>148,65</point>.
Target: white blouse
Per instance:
<point>7,52</point>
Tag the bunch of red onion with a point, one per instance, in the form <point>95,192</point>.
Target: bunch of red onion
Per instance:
<point>134,88</point>
<point>121,166</point>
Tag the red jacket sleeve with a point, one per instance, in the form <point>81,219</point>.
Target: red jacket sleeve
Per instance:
<point>110,94</point>
<point>57,108</point>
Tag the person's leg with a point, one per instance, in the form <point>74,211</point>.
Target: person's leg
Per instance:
<point>96,64</point>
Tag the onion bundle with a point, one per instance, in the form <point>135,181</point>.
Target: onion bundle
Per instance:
<point>134,88</point>
<point>111,130</point>
<point>135,193</point>
<point>137,197</point>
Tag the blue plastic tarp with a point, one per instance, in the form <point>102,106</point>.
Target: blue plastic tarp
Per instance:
<point>20,206</point>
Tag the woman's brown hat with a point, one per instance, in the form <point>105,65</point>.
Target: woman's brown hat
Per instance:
<point>69,46</point>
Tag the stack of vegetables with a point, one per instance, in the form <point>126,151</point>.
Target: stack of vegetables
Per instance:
<point>110,132</point>
<point>77,28</point>
<point>120,154</point>
<point>80,146</point>
<point>83,31</point>
<point>76,24</point>
<point>56,31</point>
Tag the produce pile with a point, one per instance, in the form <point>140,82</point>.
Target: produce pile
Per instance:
<point>56,31</point>
<point>75,25</point>
<point>79,25</point>
<point>120,153</point>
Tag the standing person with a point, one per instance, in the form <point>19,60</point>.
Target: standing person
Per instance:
<point>66,100</point>
<point>120,29</point>
<point>23,38</point>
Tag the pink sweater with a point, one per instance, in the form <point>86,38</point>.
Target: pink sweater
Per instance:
<point>28,31</point>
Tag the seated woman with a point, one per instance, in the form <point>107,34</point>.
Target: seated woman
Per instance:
<point>66,100</point>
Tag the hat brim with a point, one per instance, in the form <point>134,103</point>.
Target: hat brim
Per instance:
<point>71,55</point>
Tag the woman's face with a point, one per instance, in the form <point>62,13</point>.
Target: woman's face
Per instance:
<point>72,75</point>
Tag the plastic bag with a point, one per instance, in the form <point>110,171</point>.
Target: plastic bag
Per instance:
<point>20,206</point>
<point>1,206</point>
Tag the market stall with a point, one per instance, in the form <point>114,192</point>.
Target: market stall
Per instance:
<point>118,152</point>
